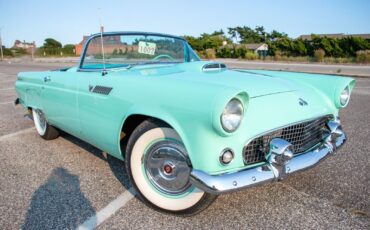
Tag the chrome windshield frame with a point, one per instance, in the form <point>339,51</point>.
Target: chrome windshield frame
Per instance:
<point>86,44</point>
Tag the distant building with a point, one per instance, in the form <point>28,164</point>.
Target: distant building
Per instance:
<point>258,48</point>
<point>339,36</point>
<point>28,46</point>
<point>80,45</point>
<point>111,44</point>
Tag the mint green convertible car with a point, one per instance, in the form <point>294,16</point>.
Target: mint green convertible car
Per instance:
<point>188,130</point>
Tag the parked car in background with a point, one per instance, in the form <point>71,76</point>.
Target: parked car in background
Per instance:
<point>188,130</point>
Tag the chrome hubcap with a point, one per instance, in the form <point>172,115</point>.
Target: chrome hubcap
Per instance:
<point>40,121</point>
<point>167,167</point>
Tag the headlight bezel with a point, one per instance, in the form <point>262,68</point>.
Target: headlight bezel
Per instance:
<point>219,105</point>
<point>344,95</point>
<point>237,102</point>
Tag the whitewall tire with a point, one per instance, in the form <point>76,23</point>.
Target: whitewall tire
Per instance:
<point>43,128</point>
<point>159,168</point>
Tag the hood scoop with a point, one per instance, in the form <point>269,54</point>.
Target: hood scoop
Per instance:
<point>214,67</point>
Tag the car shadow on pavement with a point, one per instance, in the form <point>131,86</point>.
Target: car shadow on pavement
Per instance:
<point>58,203</point>
<point>117,166</point>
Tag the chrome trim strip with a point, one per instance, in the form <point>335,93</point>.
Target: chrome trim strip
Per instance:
<point>82,57</point>
<point>217,184</point>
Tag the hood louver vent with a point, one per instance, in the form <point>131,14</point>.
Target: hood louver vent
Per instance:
<point>214,67</point>
<point>101,90</point>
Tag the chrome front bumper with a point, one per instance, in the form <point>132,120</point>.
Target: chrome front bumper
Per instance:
<point>280,164</point>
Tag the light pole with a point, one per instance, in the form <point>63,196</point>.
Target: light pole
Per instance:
<point>1,46</point>
<point>32,50</point>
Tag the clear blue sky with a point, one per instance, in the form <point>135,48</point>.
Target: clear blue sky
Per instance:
<point>67,20</point>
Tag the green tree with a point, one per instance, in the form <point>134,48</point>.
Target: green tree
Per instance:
<point>275,35</point>
<point>350,45</point>
<point>260,30</point>
<point>299,48</point>
<point>69,49</point>
<point>216,33</point>
<point>51,47</point>
<point>52,43</point>
<point>7,52</point>
<point>279,43</point>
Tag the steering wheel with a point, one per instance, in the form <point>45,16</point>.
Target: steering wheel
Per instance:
<point>163,56</point>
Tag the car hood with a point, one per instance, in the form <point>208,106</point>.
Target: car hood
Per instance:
<point>253,83</point>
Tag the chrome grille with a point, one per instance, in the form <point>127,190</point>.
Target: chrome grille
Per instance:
<point>302,136</point>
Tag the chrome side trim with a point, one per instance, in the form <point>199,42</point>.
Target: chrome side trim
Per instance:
<point>217,184</point>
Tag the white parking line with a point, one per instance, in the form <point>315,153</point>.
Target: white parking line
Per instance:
<point>5,103</point>
<point>7,88</point>
<point>7,81</point>
<point>107,211</point>
<point>16,133</point>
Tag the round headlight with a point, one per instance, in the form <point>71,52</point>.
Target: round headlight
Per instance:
<point>232,115</point>
<point>344,96</point>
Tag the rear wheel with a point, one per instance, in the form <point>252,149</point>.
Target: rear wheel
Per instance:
<point>159,168</point>
<point>43,128</point>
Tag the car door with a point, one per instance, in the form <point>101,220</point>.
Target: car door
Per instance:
<point>99,111</point>
<point>59,99</point>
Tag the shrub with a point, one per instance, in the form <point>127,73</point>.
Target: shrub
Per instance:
<point>210,54</point>
<point>319,55</point>
<point>278,55</point>
<point>7,52</point>
<point>363,56</point>
<point>20,51</point>
<point>251,56</point>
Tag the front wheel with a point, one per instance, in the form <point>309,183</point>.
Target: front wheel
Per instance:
<point>43,128</point>
<point>159,168</point>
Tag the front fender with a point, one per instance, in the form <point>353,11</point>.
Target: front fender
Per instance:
<point>194,123</point>
<point>160,115</point>
<point>329,86</point>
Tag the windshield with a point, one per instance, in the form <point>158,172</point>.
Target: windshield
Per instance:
<point>122,50</point>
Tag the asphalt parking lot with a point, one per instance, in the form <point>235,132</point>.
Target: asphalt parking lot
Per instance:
<point>61,184</point>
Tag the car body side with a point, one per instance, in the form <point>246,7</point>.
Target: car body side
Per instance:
<point>184,97</point>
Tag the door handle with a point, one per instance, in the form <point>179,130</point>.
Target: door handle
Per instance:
<point>47,78</point>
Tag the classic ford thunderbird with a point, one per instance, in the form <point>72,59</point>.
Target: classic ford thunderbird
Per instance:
<point>188,130</point>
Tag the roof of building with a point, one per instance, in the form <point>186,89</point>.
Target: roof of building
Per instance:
<point>340,35</point>
<point>17,42</point>
<point>254,46</point>
<point>251,46</point>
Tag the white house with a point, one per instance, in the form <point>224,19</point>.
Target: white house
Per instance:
<point>257,47</point>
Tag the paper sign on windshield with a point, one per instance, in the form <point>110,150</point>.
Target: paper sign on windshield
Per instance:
<point>147,48</point>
